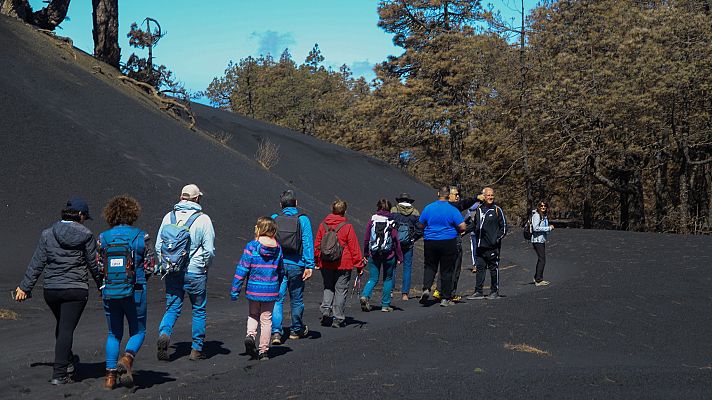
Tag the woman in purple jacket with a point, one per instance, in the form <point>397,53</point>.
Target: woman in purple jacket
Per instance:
<point>381,249</point>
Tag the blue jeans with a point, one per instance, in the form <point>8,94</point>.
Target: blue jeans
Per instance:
<point>134,309</point>
<point>374,267</point>
<point>177,286</point>
<point>292,280</point>
<point>407,270</point>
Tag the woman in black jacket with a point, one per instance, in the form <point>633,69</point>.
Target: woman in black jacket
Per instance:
<point>67,255</point>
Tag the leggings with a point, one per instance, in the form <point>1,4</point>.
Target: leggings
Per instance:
<point>67,306</point>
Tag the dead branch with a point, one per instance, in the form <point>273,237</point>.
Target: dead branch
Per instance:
<point>166,103</point>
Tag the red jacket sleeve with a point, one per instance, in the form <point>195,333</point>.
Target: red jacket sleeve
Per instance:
<point>353,247</point>
<point>317,244</point>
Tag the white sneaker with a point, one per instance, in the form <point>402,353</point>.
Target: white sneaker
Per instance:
<point>542,283</point>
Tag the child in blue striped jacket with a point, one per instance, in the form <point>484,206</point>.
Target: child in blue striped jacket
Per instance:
<point>261,266</point>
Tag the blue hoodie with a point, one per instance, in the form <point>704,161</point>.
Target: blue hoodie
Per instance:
<point>202,236</point>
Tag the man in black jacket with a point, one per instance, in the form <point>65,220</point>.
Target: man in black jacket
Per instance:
<point>490,227</point>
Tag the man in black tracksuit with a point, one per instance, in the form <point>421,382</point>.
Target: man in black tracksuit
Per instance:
<point>490,226</point>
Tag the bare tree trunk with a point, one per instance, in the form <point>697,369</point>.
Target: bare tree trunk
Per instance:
<point>52,15</point>
<point>522,111</point>
<point>708,175</point>
<point>660,190</point>
<point>106,31</point>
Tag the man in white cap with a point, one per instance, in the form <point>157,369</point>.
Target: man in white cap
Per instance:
<point>192,275</point>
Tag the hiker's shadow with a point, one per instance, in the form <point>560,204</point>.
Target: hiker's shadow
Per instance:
<point>144,379</point>
<point>274,351</point>
<point>210,349</point>
<point>353,321</point>
<point>82,370</point>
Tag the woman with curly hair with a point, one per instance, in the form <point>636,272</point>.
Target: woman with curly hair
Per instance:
<point>127,259</point>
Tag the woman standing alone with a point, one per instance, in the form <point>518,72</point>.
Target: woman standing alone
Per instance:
<point>540,233</point>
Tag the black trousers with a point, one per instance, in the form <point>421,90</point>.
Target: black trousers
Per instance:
<point>440,254</point>
<point>458,266</point>
<point>540,249</point>
<point>487,260</point>
<point>67,306</point>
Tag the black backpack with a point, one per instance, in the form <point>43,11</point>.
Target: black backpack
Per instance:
<point>527,229</point>
<point>289,233</point>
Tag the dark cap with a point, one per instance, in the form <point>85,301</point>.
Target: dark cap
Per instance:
<point>405,197</point>
<point>78,204</point>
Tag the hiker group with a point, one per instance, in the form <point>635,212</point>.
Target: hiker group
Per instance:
<point>277,262</point>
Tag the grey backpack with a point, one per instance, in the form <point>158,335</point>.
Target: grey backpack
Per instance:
<point>330,247</point>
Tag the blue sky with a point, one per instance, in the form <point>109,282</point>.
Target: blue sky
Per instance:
<point>202,39</point>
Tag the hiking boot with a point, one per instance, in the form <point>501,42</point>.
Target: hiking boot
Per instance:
<point>457,299</point>
<point>250,347</point>
<point>446,303</point>
<point>542,283</point>
<point>162,347</point>
<point>196,355</point>
<point>337,323</point>
<point>386,309</point>
<point>73,361</point>
<point>299,335</point>
<point>263,356</point>
<point>109,379</point>
<point>436,295</point>
<point>124,368</point>
<point>276,339</point>
<point>425,296</point>
<point>476,296</point>
<point>493,296</point>
<point>405,297</point>
<point>364,304</point>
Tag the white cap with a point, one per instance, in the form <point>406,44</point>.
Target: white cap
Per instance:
<point>190,192</point>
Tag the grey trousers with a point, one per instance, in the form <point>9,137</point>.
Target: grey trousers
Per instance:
<point>336,286</point>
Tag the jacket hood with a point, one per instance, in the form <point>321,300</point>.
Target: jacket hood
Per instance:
<point>268,251</point>
<point>406,210</point>
<point>384,213</point>
<point>187,205</point>
<point>70,234</point>
<point>333,219</point>
<point>290,211</point>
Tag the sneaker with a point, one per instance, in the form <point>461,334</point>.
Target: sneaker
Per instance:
<point>162,346</point>
<point>196,355</point>
<point>386,309</point>
<point>61,381</point>
<point>299,335</point>
<point>263,356</point>
<point>73,361</point>
<point>445,303</point>
<point>493,296</point>
<point>436,295</point>
<point>476,296</point>
<point>276,339</point>
<point>542,283</point>
<point>364,304</point>
<point>250,347</point>
<point>425,296</point>
<point>337,323</point>
<point>405,297</point>
<point>457,299</point>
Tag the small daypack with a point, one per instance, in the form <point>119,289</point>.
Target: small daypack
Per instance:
<point>119,257</point>
<point>405,234</point>
<point>330,247</point>
<point>381,241</point>
<point>175,245</point>
<point>289,233</point>
<point>527,229</point>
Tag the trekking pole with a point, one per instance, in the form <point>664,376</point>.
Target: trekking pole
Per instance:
<point>355,289</point>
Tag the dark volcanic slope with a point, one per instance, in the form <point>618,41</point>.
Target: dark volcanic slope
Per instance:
<point>627,316</point>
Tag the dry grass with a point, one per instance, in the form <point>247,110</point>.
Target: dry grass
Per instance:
<point>525,348</point>
<point>8,315</point>
<point>267,154</point>
<point>223,137</point>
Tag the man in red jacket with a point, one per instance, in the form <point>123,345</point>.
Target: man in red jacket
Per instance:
<point>336,268</point>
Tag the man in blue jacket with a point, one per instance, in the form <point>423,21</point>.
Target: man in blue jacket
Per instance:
<point>295,236</point>
<point>193,280</point>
